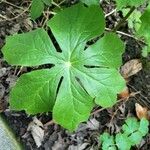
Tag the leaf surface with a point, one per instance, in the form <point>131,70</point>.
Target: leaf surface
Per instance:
<point>79,82</point>
<point>108,141</point>
<point>32,49</point>
<point>125,3</point>
<point>35,92</point>
<point>145,28</point>
<point>122,142</point>
<point>131,125</point>
<point>74,26</point>
<point>37,8</point>
<point>144,126</point>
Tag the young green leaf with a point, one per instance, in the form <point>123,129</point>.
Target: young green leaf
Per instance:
<point>108,142</point>
<point>144,126</point>
<point>130,135</point>
<point>122,142</point>
<point>135,137</point>
<point>124,3</point>
<point>37,8</point>
<point>131,125</point>
<point>80,82</point>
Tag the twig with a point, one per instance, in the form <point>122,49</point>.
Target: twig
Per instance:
<point>4,1</point>
<point>49,123</point>
<point>126,34</point>
<point>21,68</point>
<point>10,19</point>
<point>110,13</point>
<point>124,19</point>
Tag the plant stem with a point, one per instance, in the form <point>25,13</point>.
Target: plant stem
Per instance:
<point>124,19</point>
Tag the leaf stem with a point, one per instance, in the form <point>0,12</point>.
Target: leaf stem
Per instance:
<point>124,19</point>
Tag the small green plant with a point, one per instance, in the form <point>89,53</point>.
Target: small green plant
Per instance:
<point>37,7</point>
<point>131,134</point>
<point>87,77</point>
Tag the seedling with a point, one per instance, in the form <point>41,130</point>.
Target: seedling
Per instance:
<point>131,135</point>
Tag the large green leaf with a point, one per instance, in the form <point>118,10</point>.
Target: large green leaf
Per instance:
<point>125,3</point>
<point>79,82</point>
<point>37,8</point>
<point>145,28</point>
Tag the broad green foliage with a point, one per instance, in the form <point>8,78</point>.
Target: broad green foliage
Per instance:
<point>144,30</point>
<point>82,84</point>
<point>131,134</point>
<point>90,2</point>
<point>37,7</point>
<point>125,3</point>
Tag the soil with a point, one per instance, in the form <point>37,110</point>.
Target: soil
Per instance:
<point>86,137</point>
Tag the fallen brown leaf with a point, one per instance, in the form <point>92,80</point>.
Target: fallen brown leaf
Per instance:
<point>36,128</point>
<point>131,68</point>
<point>141,112</point>
<point>124,94</point>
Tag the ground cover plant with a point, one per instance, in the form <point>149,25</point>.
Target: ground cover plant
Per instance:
<point>75,60</point>
<point>132,133</point>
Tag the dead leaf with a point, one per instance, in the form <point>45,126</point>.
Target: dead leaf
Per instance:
<point>131,68</point>
<point>36,128</point>
<point>124,94</point>
<point>2,72</point>
<point>93,124</point>
<point>141,112</point>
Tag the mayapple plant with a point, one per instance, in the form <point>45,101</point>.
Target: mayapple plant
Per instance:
<point>81,76</point>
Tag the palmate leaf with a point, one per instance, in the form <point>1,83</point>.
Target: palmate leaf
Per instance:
<point>81,84</point>
<point>125,3</point>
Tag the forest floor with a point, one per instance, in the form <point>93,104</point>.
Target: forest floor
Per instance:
<point>15,18</point>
